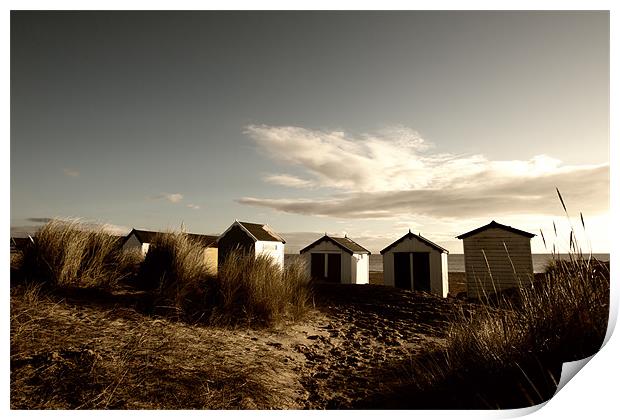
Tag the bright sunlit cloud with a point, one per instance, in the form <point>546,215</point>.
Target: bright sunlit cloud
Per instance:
<point>394,173</point>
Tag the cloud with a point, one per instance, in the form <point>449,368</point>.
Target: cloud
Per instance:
<point>392,174</point>
<point>288,181</point>
<point>335,159</point>
<point>39,219</point>
<point>71,172</point>
<point>585,190</point>
<point>193,206</point>
<point>173,198</point>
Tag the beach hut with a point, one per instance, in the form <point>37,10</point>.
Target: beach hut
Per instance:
<point>415,263</point>
<point>337,260</point>
<point>140,241</point>
<point>253,238</point>
<point>497,257</point>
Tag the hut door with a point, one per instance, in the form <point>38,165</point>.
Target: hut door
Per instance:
<point>317,266</point>
<point>421,272</point>
<point>402,270</point>
<point>333,268</point>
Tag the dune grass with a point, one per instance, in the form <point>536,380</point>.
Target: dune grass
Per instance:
<point>508,353</point>
<point>504,353</point>
<point>111,357</point>
<point>175,269</point>
<point>248,290</point>
<point>256,291</point>
<point>69,254</point>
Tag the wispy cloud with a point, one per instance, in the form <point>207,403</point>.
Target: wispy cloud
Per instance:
<point>393,174</point>
<point>71,172</point>
<point>338,160</point>
<point>173,198</point>
<point>287,180</point>
<point>193,206</point>
<point>39,219</point>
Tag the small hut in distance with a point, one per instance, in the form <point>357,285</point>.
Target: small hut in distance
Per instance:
<point>337,260</point>
<point>140,241</point>
<point>497,257</point>
<point>251,238</point>
<point>414,263</point>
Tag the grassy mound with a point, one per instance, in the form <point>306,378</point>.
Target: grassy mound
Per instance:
<point>510,355</point>
<point>68,254</point>
<point>68,356</point>
<point>255,290</point>
<point>247,290</point>
<point>176,270</point>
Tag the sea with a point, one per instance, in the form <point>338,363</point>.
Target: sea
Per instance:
<point>456,262</point>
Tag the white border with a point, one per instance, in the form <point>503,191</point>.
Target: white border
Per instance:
<point>591,394</point>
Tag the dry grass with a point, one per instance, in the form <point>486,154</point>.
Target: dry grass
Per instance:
<point>173,261</point>
<point>16,263</point>
<point>509,352</point>
<point>67,254</point>
<point>504,355</point>
<point>175,269</point>
<point>67,357</point>
<point>99,346</point>
<point>508,355</point>
<point>255,291</point>
<point>247,291</point>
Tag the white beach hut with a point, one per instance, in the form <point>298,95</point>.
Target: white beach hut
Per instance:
<point>253,238</point>
<point>337,260</point>
<point>415,263</point>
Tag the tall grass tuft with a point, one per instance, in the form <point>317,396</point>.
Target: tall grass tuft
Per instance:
<point>571,305</point>
<point>510,354</point>
<point>68,254</point>
<point>247,290</point>
<point>175,268</point>
<point>256,291</point>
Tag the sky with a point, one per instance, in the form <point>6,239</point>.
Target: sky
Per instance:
<point>364,123</point>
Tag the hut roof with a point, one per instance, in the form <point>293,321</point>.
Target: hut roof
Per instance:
<point>345,243</point>
<point>494,224</point>
<point>147,236</point>
<point>410,235</point>
<point>261,232</point>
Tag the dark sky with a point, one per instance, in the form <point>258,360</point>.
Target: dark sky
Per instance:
<point>150,119</point>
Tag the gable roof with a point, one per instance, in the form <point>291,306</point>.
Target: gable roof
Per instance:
<point>144,236</point>
<point>494,224</point>
<point>345,243</point>
<point>410,235</point>
<point>257,231</point>
<point>147,236</point>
